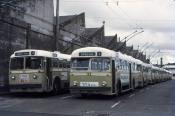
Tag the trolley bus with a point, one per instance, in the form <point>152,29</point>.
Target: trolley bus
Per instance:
<point>101,71</point>
<point>96,70</point>
<point>38,71</point>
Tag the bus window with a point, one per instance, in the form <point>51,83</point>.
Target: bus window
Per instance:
<point>106,64</point>
<point>80,63</point>
<point>60,64</point>
<point>121,64</point>
<point>138,67</point>
<point>33,63</point>
<point>100,64</point>
<point>64,64</point>
<point>68,64</point>
<point>55,62</point>
<point>17,63</point>
<point>94,64</point>
<point>117,64</point>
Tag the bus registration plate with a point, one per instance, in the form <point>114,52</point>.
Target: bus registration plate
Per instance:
<point>89,84</point>
<point>24,78</point>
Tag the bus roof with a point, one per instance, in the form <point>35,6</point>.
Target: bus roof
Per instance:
<point>42,53</point>
<point>102,52</point>
<point>63,56</point>
<point>93,52</point>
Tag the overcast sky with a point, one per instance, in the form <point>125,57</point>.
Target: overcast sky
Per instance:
<point>156,17</point>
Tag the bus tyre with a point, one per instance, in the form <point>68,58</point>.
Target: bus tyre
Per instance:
<point>56,86</point>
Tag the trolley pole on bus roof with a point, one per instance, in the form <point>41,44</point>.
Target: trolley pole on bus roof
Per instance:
<point>127,38</point>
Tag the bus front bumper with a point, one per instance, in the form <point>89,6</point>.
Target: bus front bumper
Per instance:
<point>26,88</point>
<point>90,90</point>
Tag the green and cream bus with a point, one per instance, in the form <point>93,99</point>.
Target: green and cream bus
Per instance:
<point>38,71</point>
<point>96,70</point>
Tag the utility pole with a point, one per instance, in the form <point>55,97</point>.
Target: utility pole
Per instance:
<point>161,62</point>
<point>56,33</point>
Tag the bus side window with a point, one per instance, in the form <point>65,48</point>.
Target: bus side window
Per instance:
<point>60,64</point>
<point>117,64</point>
<point>120,64</point>
<point>138,68</point>
<point>125,65</point>
<point>64,65</point>
<point>55,63</point>
<point>68,64</point>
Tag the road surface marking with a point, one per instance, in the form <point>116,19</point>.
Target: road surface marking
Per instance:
<point>88,112</point>
<point>116,104</point>
<point>66,97</point>
<point>131,95</point>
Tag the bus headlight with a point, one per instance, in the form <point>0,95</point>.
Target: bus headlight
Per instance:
<point>75,83</point>
<point>13,77</point>
<point>104,83</point>
<point>34,77</point>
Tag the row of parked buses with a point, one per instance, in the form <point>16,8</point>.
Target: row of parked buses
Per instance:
<point>89,70</point>
<point>96,70</point>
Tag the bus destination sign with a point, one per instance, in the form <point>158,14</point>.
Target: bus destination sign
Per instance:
<point>90,54</point>
<point>87,54</point>
<point>22,53</point>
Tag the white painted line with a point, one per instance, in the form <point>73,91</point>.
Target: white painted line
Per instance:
<point>88,112</point>
<point>114,105</point>
<point>66,97</point>
<point>131,95</point>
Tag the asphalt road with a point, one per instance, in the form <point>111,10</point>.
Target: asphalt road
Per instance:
<point>153,100</point>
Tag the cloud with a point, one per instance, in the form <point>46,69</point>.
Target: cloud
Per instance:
<point>156,17</point>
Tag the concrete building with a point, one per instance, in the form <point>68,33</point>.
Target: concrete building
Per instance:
<point>94,36</point>
<point>111,42</point>
<point>72,29</point>
<point>74,34</point>
<point>24,24</point>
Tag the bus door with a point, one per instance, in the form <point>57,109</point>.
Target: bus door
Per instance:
<point>130,76</point>
<point>113,76</point>
<point>49,72</point>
